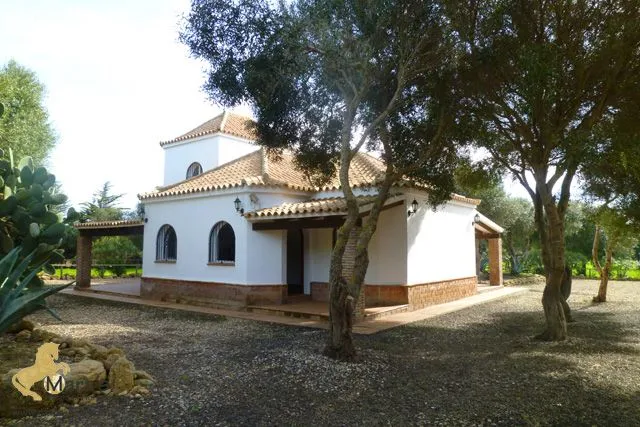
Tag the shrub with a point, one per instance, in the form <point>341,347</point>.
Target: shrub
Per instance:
<point>16,298</point>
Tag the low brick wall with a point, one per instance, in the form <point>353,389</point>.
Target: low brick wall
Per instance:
<point>417,296</point>
<point>423,295</point>
<point>211,294</point>
<point>375,295</point>
<point>320,291</point>
<point>381,295</point>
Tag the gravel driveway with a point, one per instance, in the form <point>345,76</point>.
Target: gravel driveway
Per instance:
<point>473,367</point>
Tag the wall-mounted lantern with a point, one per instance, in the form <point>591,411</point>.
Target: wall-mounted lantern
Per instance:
<point>476,219</point>
<point>414,208</point>
<point>238,204</point>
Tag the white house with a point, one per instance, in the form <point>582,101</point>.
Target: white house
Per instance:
<point>232,226</point>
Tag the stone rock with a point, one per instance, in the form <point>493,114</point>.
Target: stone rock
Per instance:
<point>83,351</point>
<point>109,361</point>
<point>21,325</point>
<point>143,382</point>
<point>138,389</point>
<point>64,409</point>
<point>98,352</point>
<point>85,377</point>
<point>42,335</point>
<point>79,342</point>
<point>139,374</point>
<point>121,376</point>
<point>88,400</point>
<point>115,350</point>
<point>68,352</point>
<point>67,340</point>
<point>23,335</point>
<point>14,404</point>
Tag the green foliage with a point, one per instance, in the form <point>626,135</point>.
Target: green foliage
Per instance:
<point>24,126</point>
<point>541,79</point>
<point>103,206</point>
<point>618,231</point>
<point>25,216</point>
<point>319,73</point>
<point>18,297</point>
<point>114,250</point>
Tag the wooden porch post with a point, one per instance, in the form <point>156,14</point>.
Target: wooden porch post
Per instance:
<point>478,258</point>
<point>495,261</point>
<point>83,261</point>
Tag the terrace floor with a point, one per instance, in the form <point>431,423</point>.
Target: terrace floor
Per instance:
<point>301,311</point>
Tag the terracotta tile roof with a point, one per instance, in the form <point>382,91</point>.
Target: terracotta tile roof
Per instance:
<point>227,123</point>
<point>108,224</point>
<point>260,169</point>
<point>365,170</point>
<point>334,205</point>
<point>465,199</point>
<point>253,169</point>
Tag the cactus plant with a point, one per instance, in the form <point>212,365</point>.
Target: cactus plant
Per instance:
<point>17,298</point>
<point>26,220</point>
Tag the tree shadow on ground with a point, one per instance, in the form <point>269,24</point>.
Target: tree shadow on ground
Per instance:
<point>493,369</point>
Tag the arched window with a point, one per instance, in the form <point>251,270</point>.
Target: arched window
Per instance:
<point>166,244</point>
<point>222,243</point>
<point>194,170</point>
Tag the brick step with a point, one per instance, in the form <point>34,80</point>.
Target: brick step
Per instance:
<point>114,293</point>
<point>482,289</point>
<point>370,312</point>
<point>272,311</point>
<point>204,302</point>
<point>377,312</point>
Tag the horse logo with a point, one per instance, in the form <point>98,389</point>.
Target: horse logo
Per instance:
<point>44,368</point>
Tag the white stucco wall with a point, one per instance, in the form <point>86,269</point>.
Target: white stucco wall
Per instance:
<point>318,245</point>
<point>259,254</point>
<point>387,252</point>
<point>388,249</point>
<point>209,151</point>
<point>440,244</point>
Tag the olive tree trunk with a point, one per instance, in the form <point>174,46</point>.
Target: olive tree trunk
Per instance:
<point>549,219</point>
<point>604,271</point>
<point>553,302</point>
<point>346,280</point>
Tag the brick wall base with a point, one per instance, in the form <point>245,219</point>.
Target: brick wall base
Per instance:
<point>211,294</point>
<point>417,296</point>
<point>426,294</point>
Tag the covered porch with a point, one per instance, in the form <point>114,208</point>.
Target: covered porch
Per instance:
<point>485,229</point>
<point>87,231</point>
<point>310,233</point>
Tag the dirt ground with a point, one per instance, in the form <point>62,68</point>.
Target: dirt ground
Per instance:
<point>478,366</point>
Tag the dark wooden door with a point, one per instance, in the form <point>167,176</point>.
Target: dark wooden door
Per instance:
<point>295,262</point>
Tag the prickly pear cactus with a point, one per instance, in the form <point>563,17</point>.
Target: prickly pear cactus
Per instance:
<point>26,219</point>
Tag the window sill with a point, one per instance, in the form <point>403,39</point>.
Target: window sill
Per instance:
<point>165,261</point>
<point>224,263</point>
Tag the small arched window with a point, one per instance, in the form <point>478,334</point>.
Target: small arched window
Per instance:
<point>194,170</point>
<point>222,243</point>
<point>166,244</point>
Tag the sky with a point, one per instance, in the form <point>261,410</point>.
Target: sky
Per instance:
<point>118,82</point>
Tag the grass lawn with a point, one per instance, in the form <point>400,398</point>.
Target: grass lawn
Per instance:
<point>95,273</point>
<point>474,367</point>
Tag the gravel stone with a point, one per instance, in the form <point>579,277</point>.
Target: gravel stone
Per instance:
<point>475,367</point>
